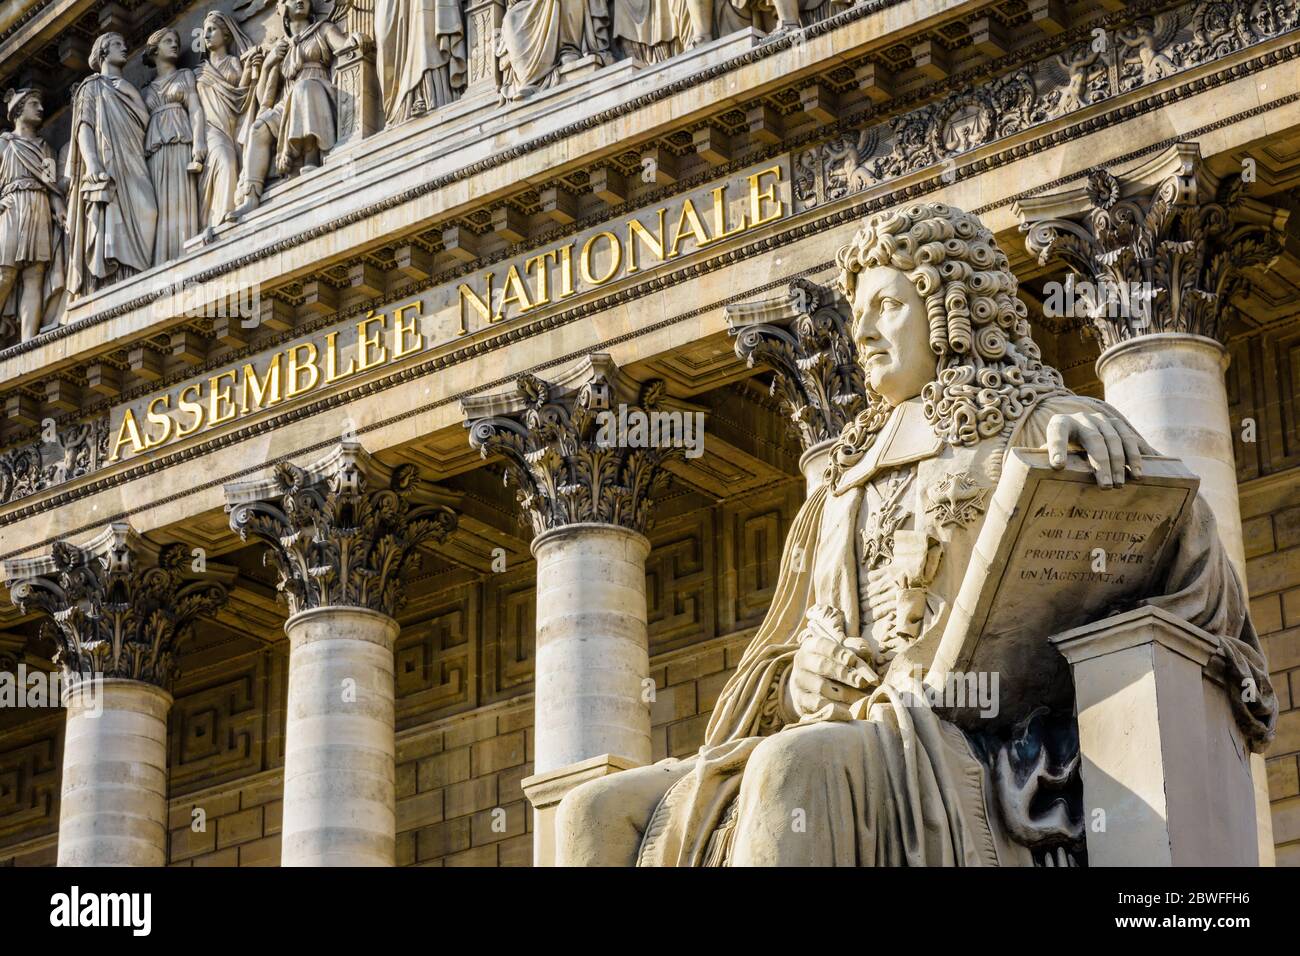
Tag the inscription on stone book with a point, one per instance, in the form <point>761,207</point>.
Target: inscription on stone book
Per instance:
<point>1057,551</point>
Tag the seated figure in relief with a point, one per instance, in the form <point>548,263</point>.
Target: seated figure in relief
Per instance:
<point>814,724</point>
<point>297,118</point>
<point>32,216</point>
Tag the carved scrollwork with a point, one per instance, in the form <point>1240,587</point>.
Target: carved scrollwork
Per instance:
<point>332,540</point>
<point>805,338</point>
<point>565,449</point>
<point>117,606</point>
<point>1165,260</point>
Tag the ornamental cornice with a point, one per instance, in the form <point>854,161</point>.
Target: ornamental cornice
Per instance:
<point>841,211</point>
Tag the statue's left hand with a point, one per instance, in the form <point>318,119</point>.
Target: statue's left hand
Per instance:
<point>1111,444</point>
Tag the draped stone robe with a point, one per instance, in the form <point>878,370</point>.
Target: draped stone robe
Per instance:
<point>29,233</point>
<point>899,786</point>
<point>420,55</point>
<point>115,237</point>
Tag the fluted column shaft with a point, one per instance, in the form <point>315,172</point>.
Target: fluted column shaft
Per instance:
<point>592,645</point>
<point>113,810</point>
<point>1170,387</point>
<point>339,764</point>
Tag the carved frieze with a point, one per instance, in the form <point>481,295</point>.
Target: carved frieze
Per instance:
<point>1092,70</point>
<point>76,450</point>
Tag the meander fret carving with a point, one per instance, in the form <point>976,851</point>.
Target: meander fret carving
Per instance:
<point>805,337</point>
<point>1090,71</point>
<point>1166,260</point>
<point>563,450</point>
<point>117,606</point>
<point>332,540</point>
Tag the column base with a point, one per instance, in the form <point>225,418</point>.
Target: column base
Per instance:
<point>545,791</point>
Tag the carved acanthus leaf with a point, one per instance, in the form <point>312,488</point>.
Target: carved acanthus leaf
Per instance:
<point>119,607</point>
<point>332,540</point>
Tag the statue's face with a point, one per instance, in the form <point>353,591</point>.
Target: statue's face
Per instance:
<point>33,110</point>
<point>299,8</point>
<point>892,334</point>
<point>116,53</point>
<point>214,37</point>
<point>169,47</point>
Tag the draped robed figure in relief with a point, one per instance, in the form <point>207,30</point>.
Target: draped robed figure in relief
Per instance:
<point>420,55</point>
<point>176,144</point>
<point>820,751</point>
<point>225,84</point>
<point>112,211</point>
<point>32,216</point>
<point>297,120</point>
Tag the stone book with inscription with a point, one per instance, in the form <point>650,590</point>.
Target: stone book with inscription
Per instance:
<point>1056,551</point>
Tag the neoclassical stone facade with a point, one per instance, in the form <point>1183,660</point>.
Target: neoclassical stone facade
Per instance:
<point>328,329</point>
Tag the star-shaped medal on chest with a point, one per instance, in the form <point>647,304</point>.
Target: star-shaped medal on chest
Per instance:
<point>955,500</point>
<point>878,531</point>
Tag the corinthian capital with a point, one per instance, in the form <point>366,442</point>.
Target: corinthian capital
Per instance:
<point>342,531</point>
<point>117,606</point>
<point>805,337</point>
<point>1161,249</point>
<point>587,447</point>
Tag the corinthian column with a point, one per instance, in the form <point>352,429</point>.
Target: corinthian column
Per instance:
<point>340,532</point>
<point>118,608</point>
<point>585,479</point>
<point>806,339</point>
<point>1162,251</point>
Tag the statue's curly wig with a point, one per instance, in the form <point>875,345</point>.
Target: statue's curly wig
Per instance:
<point>989,372</point>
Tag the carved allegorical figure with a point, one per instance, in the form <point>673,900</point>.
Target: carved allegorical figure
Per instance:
<point>297,123</point>
<point>420,55</point>
<point>225,82</point>
<point>111,206</point>
<point>540,36</point>
<point>32,216</point>
<point>175,144</point>
<point>820,751</point>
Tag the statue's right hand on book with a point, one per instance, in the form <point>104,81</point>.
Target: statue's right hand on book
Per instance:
<point>831,669</point>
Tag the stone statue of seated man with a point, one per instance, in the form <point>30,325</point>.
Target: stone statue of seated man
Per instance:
<point>818,751</point>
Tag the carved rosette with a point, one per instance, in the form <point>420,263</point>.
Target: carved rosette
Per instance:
<point>564,451</point>
<point>118,606</point>
<point>806,339</point>
<point>333,541</point>
<point>1165,249</point>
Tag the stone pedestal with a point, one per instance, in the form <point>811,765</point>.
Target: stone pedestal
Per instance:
<point>545,791</point>
<point>360,102</point>
<point>1163,759</point>
<point>339,762</point>
<point>592,651</point>
<point>114,803</point>
<point>1170,387</point>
